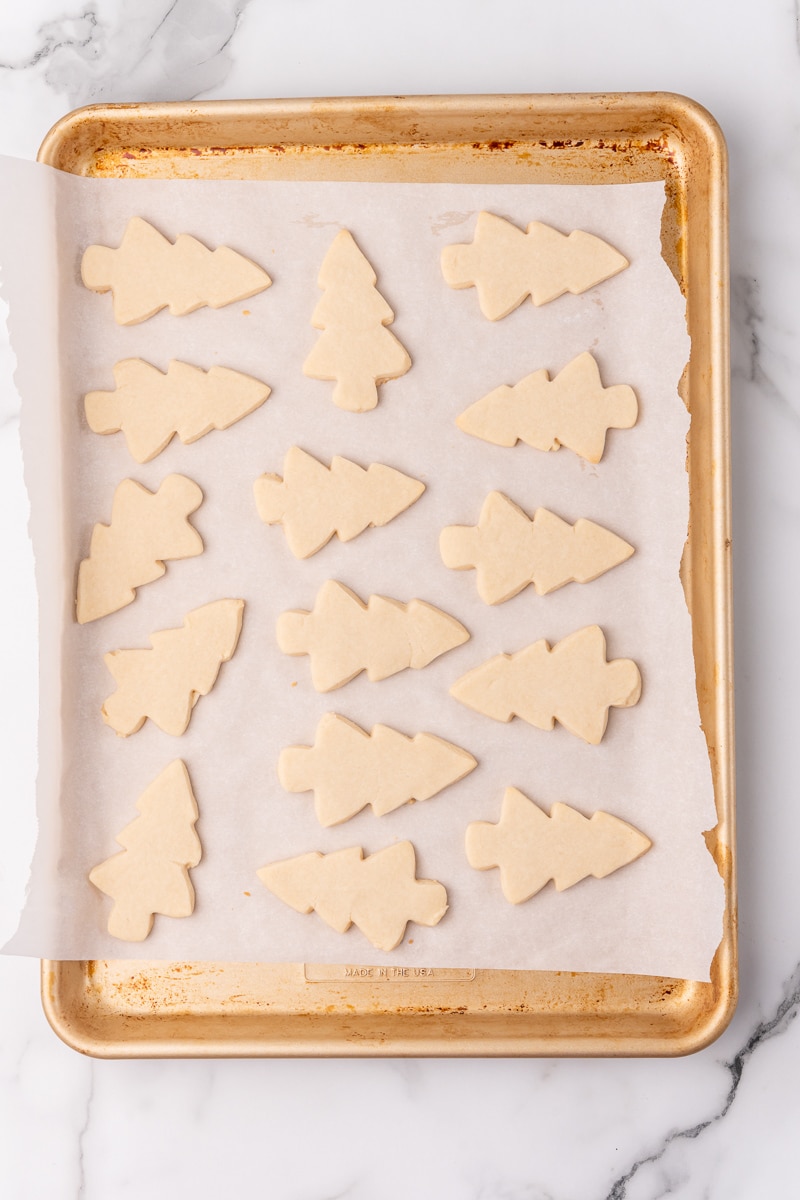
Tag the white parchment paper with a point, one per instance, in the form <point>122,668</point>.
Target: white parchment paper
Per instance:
<point>661,915</point>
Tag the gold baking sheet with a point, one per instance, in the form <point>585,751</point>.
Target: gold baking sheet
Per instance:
<point>137,1008</point>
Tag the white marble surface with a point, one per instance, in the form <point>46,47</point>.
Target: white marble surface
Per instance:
<point>720,1125</point>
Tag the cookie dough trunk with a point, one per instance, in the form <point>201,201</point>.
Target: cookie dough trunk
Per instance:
<point>127,920</point>
<point>97,268</point>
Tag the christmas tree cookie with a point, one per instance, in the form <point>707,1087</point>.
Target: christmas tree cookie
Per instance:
<point>313,502</point>
<point>165,682</point>
<point>505,264</point>
<point>148,272</point>
<point>150,406</point>
<point>355,348</point>
<point>379,894</point>
<point>572,410</point>
<point>151,874</point>
<point>146,529</point>
<point>344,636</point>
<point>572,683</point>
<point>348,769</point>
<point>531,848</point>
<point>509,550</point>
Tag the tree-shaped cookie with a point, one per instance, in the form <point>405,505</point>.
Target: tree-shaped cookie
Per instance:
<point>531,848</point>
<point>344,636</point>
<point>146,529</point>
<point>148,272</point>
<point>355,348</point>
<point>313,502</point>
<point>151,406</point>
<point>165,682</point>
<point>572,683</point>
<point>151,875</point>
<point>348,769</point>
<point>506,264</point>
<point>379,894</point>
<point>572,410</point>
<point>510,550</point>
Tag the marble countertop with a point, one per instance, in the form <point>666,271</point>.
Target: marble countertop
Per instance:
<point>721,1124</point>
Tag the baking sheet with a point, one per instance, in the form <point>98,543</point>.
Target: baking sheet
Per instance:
<point>661,915</point>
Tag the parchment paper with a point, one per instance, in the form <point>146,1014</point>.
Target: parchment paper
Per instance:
<point>661,915</point>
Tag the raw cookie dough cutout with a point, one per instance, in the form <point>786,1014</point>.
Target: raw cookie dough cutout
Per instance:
<point>151,406</point>
<point>510,550</point>
<point>531,848</point>
<point>349,769</point>
<point>355,348</point>
<point>165,682</point>
<point>344,636</point>
<point>151,875</point>
<point>505,264</point>
<point>572,410</point>
<point>572,683</point>
<point>378,894</point>
<point>146,529</point>
<point>313,502</point>
<point>148,272</point>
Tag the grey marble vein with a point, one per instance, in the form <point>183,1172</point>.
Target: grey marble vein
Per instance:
<point>341,1193</point>
<point>92,60</point>
<point>749,354</point>
<point>70,32</point>
<point>82,1133</point>
<point>495,1190</point>
<point>773,1026</point>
